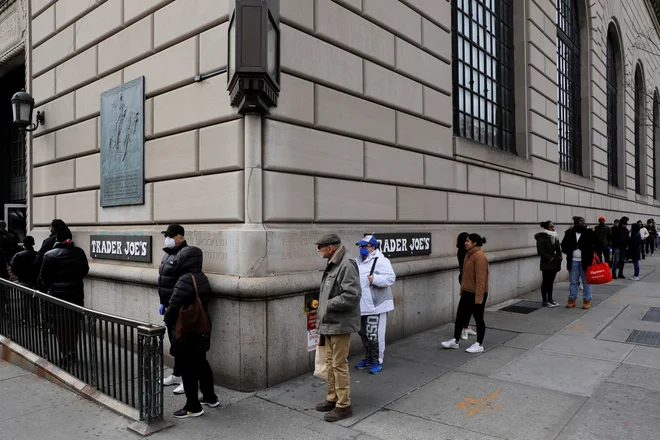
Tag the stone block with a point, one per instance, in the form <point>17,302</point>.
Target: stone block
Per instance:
<point>149,118</point>
<point>180,20</point>
<point>213,49</point>
<point>483,180</point>
<point>99,23</point>
<point>543,169</point>
<point>503,283</point>
<point>38,6</point>
<point>465,208</point>
<point>88,98</point>
<point>436,40</point>
<point>78,139</point>
<point>429,301</point>
<point>53,50</point>
<point>217,197</point>
<point>131,214</point>
<point>313,58</point>
<point>422,135</point>
<point>78,70</point>
<point>181,61</point>
<point>299,13</point>
<point>445,173</point>
<point>43,26</point>
<point>348,29</point>
<point>416,205</point>
<point>88,171</point>
<point>288,197</point>
<point>547,212</point>
<point>172,156</point>
<point>525,212</point>
<point>43,87</point>
<point>70,10</point>
<point>542,126</point>
<point>423,66</point>
<point>253,343</point>
<point>354,5</point>
<point>78,208</point>
<point>347,114</point>
<point>571,196</point>
<point>394,16</point>
<point>221,147</point>
<point>389,88</point>
<point>438,11</point>
<point>287,339</point>
<point>296,101</point>
<point>537,190</point>
<point>438,106</point>
<point>499,210</point>
<point>198,104</point>
<point>225,335</point>
<point>584,199</point>
<point>127,46</point>
<point>56,177</point>
<point>298,149</point>
<point>341,200</point>
<point>136,10</point>
<point>564,214</point>
<point>43,149</point>
<point>43,210</point>
<point>388,164</point>
<point>512,185</point>
<point>60,112</point>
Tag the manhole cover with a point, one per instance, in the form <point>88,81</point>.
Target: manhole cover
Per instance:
<point>523,306</point>
<point>644,338</point>
<point>652,315</point>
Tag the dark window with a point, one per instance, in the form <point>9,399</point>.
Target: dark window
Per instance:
<point>17,167</point>
<point>612,111</point>
<point>568,79</point>
<point>656,121</point>
<point>483,72</point>
<point>639,128</point>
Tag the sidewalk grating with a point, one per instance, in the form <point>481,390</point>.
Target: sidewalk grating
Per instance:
<point>652,315</point>
<point>644,338</point>
<point>524,307</point>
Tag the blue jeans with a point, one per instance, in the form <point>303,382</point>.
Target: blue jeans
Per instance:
<point>618,261</point>
<point>577,274</point>
<point>636,267</point>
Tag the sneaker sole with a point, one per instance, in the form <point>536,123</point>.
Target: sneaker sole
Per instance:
<point>178,393</point>
<point>199,414</point>
<point>473,352</point>
<point>450,347</point>
<point>362,368</point>
<point>211,405</point>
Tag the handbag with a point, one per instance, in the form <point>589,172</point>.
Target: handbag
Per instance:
<point>320,369</point>
<point>192,319</point>
<point>598,273</point>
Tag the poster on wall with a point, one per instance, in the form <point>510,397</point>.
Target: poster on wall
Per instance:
<point>404,244</point>
<point>312,336</point>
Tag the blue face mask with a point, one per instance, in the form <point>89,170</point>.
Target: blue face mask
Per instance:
<point>364,251</point>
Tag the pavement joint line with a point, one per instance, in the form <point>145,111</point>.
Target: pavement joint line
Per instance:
<point>26,414</point>
<point>14,377</point>
<point>587,357</point>
<point>586,399</point>
<point>609,323</point>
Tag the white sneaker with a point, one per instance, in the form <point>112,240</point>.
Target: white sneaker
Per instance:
<point>467,332</point>
<point>464,334</point>
<point>634,278</point>
<point>179,389</point>
<point>580,287</point>
<point>172,380</point>
<point>452,343</point>
<point>475,348</point>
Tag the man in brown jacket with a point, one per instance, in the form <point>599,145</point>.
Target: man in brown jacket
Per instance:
<point>474,293</point>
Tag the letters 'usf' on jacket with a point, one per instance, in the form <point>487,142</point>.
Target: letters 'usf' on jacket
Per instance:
<point>339,296</point>
<point>475,274</point>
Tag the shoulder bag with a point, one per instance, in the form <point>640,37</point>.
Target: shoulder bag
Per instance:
<point>192,319</point>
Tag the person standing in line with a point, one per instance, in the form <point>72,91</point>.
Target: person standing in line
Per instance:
<point>474,293</point>
<point>338,317</point>
<point>603,240</point>
<point>460,254</point>
<point>635,249</point>
<point>7,242</point>
<point>644,234</point>
<point>4,273</point>
<point>578,245</point>
<point>22,264</point>
<point>620,239</point>
<point>547,246</point>
<point>190,350</point>
<point>376,278</point>
<point>653,234</point>
<point>47,245</point>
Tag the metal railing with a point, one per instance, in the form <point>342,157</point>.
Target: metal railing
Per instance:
<point>119,357</point>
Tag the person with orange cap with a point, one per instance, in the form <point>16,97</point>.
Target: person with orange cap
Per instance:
<point>603,245</point>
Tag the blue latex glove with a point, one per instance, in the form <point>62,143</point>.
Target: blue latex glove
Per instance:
<point>165,324</point>
<point>161,309</point>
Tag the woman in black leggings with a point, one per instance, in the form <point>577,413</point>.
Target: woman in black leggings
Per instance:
<point>548,248</point>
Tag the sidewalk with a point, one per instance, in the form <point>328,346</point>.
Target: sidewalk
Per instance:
<point>550,374</point>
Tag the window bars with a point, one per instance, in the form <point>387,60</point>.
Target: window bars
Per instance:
<point>639,127</point>
<point>612,114</point>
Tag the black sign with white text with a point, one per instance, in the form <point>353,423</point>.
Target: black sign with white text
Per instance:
<point>404,245</point>
<point>121,247</point>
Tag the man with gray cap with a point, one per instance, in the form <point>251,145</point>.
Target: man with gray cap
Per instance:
<point>338,317</point>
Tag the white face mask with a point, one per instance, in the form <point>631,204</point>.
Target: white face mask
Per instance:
<point>169,243</point>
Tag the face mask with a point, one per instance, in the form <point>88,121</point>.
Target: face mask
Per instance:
<point>364,252</point>
<point>169,243</point>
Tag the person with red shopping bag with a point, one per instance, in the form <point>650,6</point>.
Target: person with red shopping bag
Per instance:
<point>578,245</point>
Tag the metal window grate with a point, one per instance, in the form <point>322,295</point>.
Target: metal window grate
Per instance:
<point>612,117</point>
<point>525,307</point>
<point>639,127</point>
<point>653,315</point>
<point>656,103</point>
<point>483,72</point>
<point>568,79</point>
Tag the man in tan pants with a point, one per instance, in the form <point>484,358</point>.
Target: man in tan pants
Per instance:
<point>338,317</point>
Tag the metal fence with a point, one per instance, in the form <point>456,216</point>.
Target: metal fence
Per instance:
<point>119,357</point>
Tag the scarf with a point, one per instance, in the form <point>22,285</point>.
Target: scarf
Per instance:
<point>553,236</point>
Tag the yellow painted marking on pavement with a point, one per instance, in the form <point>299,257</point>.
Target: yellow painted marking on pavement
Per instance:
<point>577,327</point>
<point>617,299</point>
<point>476,406</point>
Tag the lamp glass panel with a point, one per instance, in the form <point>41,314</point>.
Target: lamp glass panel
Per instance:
<point>273,47</point>
<point>15,107</point>
<point>26,112</point>
<point>231,62</point>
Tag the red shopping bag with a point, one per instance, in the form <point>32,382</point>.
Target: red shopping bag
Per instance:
<point>599,273</point>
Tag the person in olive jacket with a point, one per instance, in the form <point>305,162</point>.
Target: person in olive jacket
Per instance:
<point>338,316</point>
<point>548,248</point>
<point>191,351</point>
<point>578,245</point>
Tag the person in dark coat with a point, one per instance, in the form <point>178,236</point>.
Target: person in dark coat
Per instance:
<point>603,240</point>
<point>7,242</point>
<point>635,248</point>
<point>620,239</point>
<point>548,248</point>
<point>62,273</point>
<point>578,245</point>
<point>4,273</point>
<point>47,245</point>
<point>22,264</point>
<point>191,351</point>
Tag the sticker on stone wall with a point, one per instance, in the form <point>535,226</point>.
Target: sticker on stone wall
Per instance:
<point>404,244</point>
<point>121,247</point>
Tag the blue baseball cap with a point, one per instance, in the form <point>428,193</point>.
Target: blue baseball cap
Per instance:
<point>368,239</point>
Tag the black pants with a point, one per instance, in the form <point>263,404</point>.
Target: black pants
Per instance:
<point>176,370</point>
<point>196,370</point>
<point>467,309</point>
<point>650,245</point>
<point>547,285</point>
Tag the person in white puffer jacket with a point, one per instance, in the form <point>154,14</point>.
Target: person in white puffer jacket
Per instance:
<point>376,279</point>
<point>644,233</point>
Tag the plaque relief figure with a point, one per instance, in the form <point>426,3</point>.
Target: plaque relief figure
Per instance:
<point>122,130</point>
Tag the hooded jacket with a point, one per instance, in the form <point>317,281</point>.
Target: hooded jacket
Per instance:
<point>475,274</point>
<point>170,270</point>
<point>549,252</point>
<point>63,271</point>
<point>339,296</point>
<point>376,297</point>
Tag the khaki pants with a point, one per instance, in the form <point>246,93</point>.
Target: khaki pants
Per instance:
<point>336,360</point>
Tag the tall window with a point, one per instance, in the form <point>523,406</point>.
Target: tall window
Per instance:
<point>483,72</point>
<point>639,127</point>
<point>656,122</point>
<point>612,111</point>
<point>568,93</point>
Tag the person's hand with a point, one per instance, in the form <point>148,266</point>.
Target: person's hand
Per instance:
<point>370,278</point>
<point>165,324</point>
<point>161,309</point>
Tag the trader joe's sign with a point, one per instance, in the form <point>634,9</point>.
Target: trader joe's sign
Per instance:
<point>404,245</point>
<point>121,247</point>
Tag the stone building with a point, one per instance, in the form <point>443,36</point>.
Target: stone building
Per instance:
<point>394,116</point>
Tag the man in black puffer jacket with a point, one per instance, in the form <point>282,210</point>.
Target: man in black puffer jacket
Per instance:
<point>191,351</point>
<point>46,246</point>
<point>22,264</point>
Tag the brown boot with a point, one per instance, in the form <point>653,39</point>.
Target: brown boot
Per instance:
<point>586,304</point>
<point>325,406</point>
<point>571,304</point>
<point>338,414</point>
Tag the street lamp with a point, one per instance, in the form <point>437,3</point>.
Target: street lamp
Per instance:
<point>253,65</point>
<point>22,105</point>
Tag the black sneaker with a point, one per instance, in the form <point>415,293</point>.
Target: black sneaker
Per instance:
<point>184,414</point>
<point>210,404</point>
